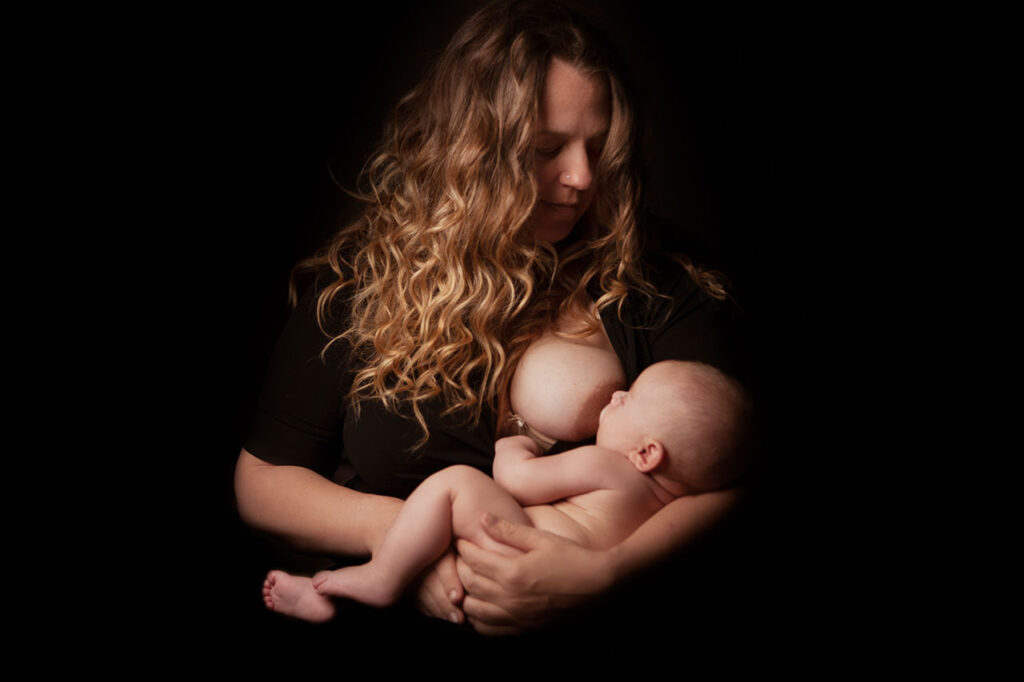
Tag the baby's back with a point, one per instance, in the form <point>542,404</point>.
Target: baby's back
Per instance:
<point>603,517</point>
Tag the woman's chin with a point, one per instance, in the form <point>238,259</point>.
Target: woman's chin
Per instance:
<point>554,222</point>
<point>553,232</point>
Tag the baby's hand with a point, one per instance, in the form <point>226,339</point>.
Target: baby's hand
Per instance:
<point>509,454</point>
<point>513,449</point>
<point>517,447</point>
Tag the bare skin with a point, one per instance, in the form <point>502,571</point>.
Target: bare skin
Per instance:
<point>295,595</point>
<point>593,496</point>
<point>454,497</point>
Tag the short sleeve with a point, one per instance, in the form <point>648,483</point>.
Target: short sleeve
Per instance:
<point>691,325</point>
<point>300,411</point>
<point>683,323</point>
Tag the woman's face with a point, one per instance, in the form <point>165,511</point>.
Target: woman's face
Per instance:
<point>571,131</point>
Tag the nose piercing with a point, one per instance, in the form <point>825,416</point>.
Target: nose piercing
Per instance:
<point>567,177</point>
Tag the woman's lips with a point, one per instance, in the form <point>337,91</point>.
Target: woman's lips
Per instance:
<point>556,206</point>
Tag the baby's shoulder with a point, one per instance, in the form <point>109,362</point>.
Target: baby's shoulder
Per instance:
<point>597,453</point>
<point>612,468</point>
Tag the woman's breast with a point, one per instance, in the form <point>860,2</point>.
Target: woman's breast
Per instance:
<point>561,385</point>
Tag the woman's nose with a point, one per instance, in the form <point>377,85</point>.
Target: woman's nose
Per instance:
<point>576,173</point>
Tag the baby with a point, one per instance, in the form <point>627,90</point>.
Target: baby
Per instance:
<point>677,431</point>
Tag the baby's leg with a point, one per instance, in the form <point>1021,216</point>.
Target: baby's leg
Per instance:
<point>474,493</point>
<point>453,499</point>
<point>295,595</point>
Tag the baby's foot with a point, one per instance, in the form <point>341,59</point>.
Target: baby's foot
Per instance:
<point>295,596</point>
<point>361,583</point>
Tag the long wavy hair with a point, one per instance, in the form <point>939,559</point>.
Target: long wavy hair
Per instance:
<point>445,283</point>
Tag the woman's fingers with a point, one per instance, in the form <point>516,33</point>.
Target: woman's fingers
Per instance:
<point>515,572</point>
<point>427,603</point>
<point>488,619</point>
<point>513,534</point>
<point>476,570</point>
<point>440,593</point>
<point>478,610</point>
<point>513,592</point>
<point>486,574</point>
<point>487,602</point>
<point>448,577</point>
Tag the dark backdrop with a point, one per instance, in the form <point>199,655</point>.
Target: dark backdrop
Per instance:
<point>173,162</point>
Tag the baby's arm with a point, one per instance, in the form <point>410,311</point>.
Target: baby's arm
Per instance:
<point>510,453</point>
<point>532,479</point>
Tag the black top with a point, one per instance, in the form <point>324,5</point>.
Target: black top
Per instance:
<point>302,417</point>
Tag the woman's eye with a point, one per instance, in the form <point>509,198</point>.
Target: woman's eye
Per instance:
<point>548,151</point>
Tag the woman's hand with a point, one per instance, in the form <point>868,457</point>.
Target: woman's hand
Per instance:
<point>510,594</point>
<point>440,593</point>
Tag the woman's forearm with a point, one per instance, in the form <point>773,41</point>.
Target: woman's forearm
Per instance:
<point>674,526</point>
<point>309,511</point>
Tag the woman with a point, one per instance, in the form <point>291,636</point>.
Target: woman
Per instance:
<point>501,205</point>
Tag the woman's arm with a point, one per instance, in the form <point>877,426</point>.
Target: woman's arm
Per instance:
<point>509,594</point>
<point>318,515</point>
<point>300,412</point>
<point>308,510</point>
<point>675,526</point>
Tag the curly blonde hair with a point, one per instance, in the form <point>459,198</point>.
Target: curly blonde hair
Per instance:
<point>445,283</point>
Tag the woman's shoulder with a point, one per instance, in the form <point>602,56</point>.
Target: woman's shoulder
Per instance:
<point>667,271</point>
<point>677,266</point>
<point>677,285</point>
<point>319,291</point>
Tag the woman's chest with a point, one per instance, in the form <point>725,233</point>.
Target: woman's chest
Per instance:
<point>562,382</point>
<point>379,447</point>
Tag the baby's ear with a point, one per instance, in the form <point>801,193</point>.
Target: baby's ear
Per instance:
<point>648,456</point>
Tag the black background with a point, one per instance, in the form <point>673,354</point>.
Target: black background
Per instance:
<point>173,162</point>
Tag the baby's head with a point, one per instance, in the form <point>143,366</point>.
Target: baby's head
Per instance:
<point>685,422</point>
